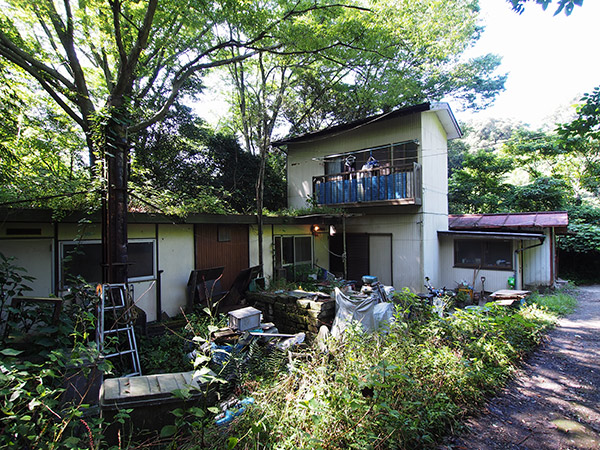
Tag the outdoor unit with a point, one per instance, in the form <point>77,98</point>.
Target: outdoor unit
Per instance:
<point>244,319</point>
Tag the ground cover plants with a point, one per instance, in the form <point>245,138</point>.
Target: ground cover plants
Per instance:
<point>402,389</point>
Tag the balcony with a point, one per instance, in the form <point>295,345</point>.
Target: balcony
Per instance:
<point>387,185</point>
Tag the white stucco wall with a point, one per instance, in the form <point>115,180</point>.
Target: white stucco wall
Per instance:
<point>302,166</point>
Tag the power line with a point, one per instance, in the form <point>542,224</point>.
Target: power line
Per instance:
<point>46,197</point>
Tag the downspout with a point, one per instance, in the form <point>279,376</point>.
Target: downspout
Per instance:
<point>158,277</point>
<point>521,250</point>
<point>344,254</point>
<point>57,261</point>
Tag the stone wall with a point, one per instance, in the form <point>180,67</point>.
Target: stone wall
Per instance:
<point>291,314</point>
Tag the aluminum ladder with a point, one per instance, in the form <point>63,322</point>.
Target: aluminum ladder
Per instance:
<point>115,326</point>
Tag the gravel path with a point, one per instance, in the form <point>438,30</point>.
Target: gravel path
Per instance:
<point>554,402</point>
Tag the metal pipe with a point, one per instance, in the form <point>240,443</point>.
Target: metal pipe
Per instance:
<point>521,250</point>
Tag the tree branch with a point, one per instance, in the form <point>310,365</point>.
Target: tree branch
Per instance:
<point>115,7</point>
<point>125,77</point>
<point>176,86</point>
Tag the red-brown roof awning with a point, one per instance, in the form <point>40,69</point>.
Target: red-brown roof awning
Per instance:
<point>545,219</point>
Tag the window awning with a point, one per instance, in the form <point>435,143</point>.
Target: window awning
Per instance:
<point>494,235</point>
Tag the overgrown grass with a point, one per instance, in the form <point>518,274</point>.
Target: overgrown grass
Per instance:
<point>561,303</point>
<point>404,389</point>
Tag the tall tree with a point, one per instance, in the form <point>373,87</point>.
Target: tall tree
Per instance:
<point>116,67</point>
<point>391,54</point>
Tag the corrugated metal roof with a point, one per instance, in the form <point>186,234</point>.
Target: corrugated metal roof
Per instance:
<point>544,219</point>
<point>442,110</point>
<point>493,235</point>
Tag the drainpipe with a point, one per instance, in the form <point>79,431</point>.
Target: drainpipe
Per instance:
<point>159,295</point>
<point>521,250</point>
<point>344,254</point>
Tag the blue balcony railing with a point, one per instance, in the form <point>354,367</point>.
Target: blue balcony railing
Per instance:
<point>386,185</point>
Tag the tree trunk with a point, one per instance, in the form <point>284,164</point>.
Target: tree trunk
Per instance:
<point>114,211</point>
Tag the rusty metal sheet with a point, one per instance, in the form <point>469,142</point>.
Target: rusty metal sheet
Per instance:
<point>512,220</point>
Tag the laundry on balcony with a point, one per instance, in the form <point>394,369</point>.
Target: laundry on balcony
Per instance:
<point>367,185</point>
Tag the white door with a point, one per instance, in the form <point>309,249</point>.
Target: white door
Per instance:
<point>380,257</point>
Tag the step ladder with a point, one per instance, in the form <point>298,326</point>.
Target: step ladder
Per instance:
<point>115,333</point>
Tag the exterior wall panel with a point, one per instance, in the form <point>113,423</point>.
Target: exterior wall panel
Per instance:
<point>538,264</point>
<point>232,254</point>
<point>36,256</point>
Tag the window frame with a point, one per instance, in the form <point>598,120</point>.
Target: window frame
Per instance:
<point>483,253</point>
<point>64,285</point>
<point>280,258</point>
<point>403,153</point>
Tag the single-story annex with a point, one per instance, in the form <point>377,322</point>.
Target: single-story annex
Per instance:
<point>384,179</point>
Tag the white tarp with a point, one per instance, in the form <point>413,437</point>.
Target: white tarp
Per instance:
<point>368,311</point>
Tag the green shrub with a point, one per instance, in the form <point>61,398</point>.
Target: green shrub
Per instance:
<point>560,303</point>
<point>404,389</point>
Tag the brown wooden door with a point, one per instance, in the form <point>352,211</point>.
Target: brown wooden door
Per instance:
<point>222,245</point>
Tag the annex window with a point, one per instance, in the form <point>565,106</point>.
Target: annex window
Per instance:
<point>293,256</point>
<point>84,259</point>
<point>481,254</point>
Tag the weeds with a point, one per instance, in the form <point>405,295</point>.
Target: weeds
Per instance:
<point>402,390</point>
<point>560,303</point>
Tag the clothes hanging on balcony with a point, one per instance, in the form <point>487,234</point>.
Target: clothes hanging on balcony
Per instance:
<point>371,163</point>
<point>350,163</point>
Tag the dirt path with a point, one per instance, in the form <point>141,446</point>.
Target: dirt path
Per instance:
<point>554,402</point>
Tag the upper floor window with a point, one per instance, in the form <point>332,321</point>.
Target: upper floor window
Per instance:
<point>392,155</point>
<point>482,254</point>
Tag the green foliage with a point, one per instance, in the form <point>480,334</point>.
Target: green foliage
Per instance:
<point>561,303</point>
<point>403,389</point>
<point>402,53</point>
<point>582,238</point>
<point>581,137</point>
<point>479,187</point>
<point>543,194</point>
<point>39,410</point>
<point>561,5</point>
<point>34,414</point>
<point>13,282</point>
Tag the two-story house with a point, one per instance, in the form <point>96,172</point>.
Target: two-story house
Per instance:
<point>386,177</point>
<point>388,173</point>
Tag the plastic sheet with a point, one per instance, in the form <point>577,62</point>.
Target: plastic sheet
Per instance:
<point>352,309</point>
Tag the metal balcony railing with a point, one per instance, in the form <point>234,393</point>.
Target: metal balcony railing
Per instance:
<point>384,185</point>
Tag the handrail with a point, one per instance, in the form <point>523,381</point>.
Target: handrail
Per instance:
<point>386,183</point>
